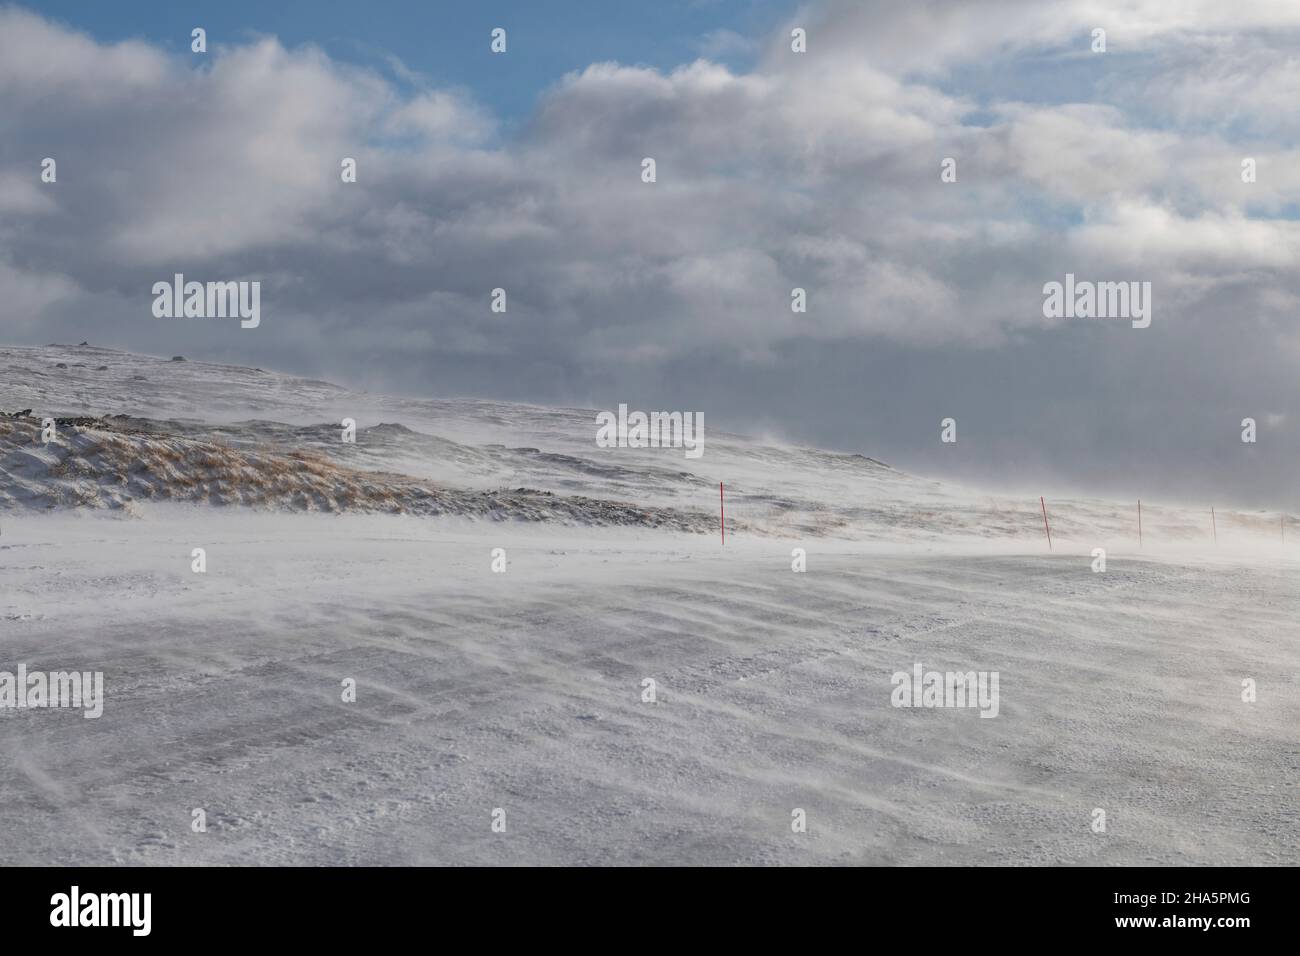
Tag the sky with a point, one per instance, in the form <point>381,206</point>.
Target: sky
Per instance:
<point>775,169</point>
<point>446,43</point>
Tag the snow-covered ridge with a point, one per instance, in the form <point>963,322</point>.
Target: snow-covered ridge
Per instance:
<point>152,428</point>
<point>113,463</point>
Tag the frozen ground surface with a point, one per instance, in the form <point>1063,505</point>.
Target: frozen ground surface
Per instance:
<point>522,690</point>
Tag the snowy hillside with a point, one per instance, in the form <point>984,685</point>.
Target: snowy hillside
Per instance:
<point>140,428</point>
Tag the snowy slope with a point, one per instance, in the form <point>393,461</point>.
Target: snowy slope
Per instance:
<point>196,425</point>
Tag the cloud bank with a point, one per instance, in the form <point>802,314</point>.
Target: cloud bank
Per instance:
<point>818,170</point>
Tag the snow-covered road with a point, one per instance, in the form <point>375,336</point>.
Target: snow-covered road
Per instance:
<point>523,691</point>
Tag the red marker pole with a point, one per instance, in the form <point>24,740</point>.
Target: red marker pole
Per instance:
<point>1139,522</point>
<point>722,514</point>
<point>1046,526</point>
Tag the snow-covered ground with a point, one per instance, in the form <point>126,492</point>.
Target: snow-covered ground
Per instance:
<point>523,690</point>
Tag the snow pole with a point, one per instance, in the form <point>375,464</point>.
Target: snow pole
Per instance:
<point>1214,530</point>
<point>722,514</point>
<point>1139,522</point>
<point>1046,526</point>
